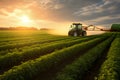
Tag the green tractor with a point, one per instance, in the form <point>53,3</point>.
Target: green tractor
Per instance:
<point>77,29</point>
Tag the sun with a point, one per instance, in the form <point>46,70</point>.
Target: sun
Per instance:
<point>25,19</point>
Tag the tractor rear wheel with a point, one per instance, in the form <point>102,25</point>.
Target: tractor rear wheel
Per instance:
<point>84,33</point>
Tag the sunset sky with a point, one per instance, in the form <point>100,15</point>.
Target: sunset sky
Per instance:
<point>58,13</point>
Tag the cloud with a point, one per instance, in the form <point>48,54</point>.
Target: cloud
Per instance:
<point>98,12</point>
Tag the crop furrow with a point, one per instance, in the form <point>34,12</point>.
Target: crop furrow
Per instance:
<point>93,72</point>
<point>17,58</point>
<point>26,47</point>
<point>21,49</point>
<point>31,69</point>
<point>110,69</point>
<point>18,45</point>
<point>80,66</point>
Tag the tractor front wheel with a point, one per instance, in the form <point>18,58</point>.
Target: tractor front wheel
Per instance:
<point>84,33</point>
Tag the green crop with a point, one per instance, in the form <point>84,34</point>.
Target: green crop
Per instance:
<point>110,70</point>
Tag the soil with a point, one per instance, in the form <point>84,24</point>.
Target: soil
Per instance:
<point>94,70</point>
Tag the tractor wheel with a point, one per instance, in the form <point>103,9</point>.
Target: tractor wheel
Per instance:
<point>84,33</point>
<point>69,34</point>
<point>75,34</point>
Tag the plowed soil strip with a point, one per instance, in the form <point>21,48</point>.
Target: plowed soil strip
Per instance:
<point>94,70</point>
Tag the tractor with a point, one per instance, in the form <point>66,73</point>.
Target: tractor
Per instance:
<point>77,29</point>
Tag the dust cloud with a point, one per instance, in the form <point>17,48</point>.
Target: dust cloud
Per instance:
<point>65,32</point>
<point>95,32</point>
<point>59,32</point>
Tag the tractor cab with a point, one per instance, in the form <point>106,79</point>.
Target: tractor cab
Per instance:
<point>76,26</point>
<point>76,29</point>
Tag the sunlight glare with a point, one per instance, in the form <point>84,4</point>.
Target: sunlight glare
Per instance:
<point>25,19</point>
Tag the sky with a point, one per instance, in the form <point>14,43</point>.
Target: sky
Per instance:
<point>58,14</point>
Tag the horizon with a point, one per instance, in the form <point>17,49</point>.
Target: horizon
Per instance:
<point>57,14</point>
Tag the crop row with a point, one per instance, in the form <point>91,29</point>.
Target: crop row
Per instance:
<point>30,69</point>
<point>77,69</point>
<point>110,69</point>
<point>14,34</point>
<point>28,39</point>
<point>18,57</point>
<point>27,43</point>
<point>20,43</point>
<point>9,47</point>
<point>26,47</point>
<point>17,38</point>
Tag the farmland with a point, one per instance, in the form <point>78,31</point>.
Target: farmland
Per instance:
<point>37,55</point>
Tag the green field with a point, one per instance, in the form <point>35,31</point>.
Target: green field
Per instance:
<point>37,55</point>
